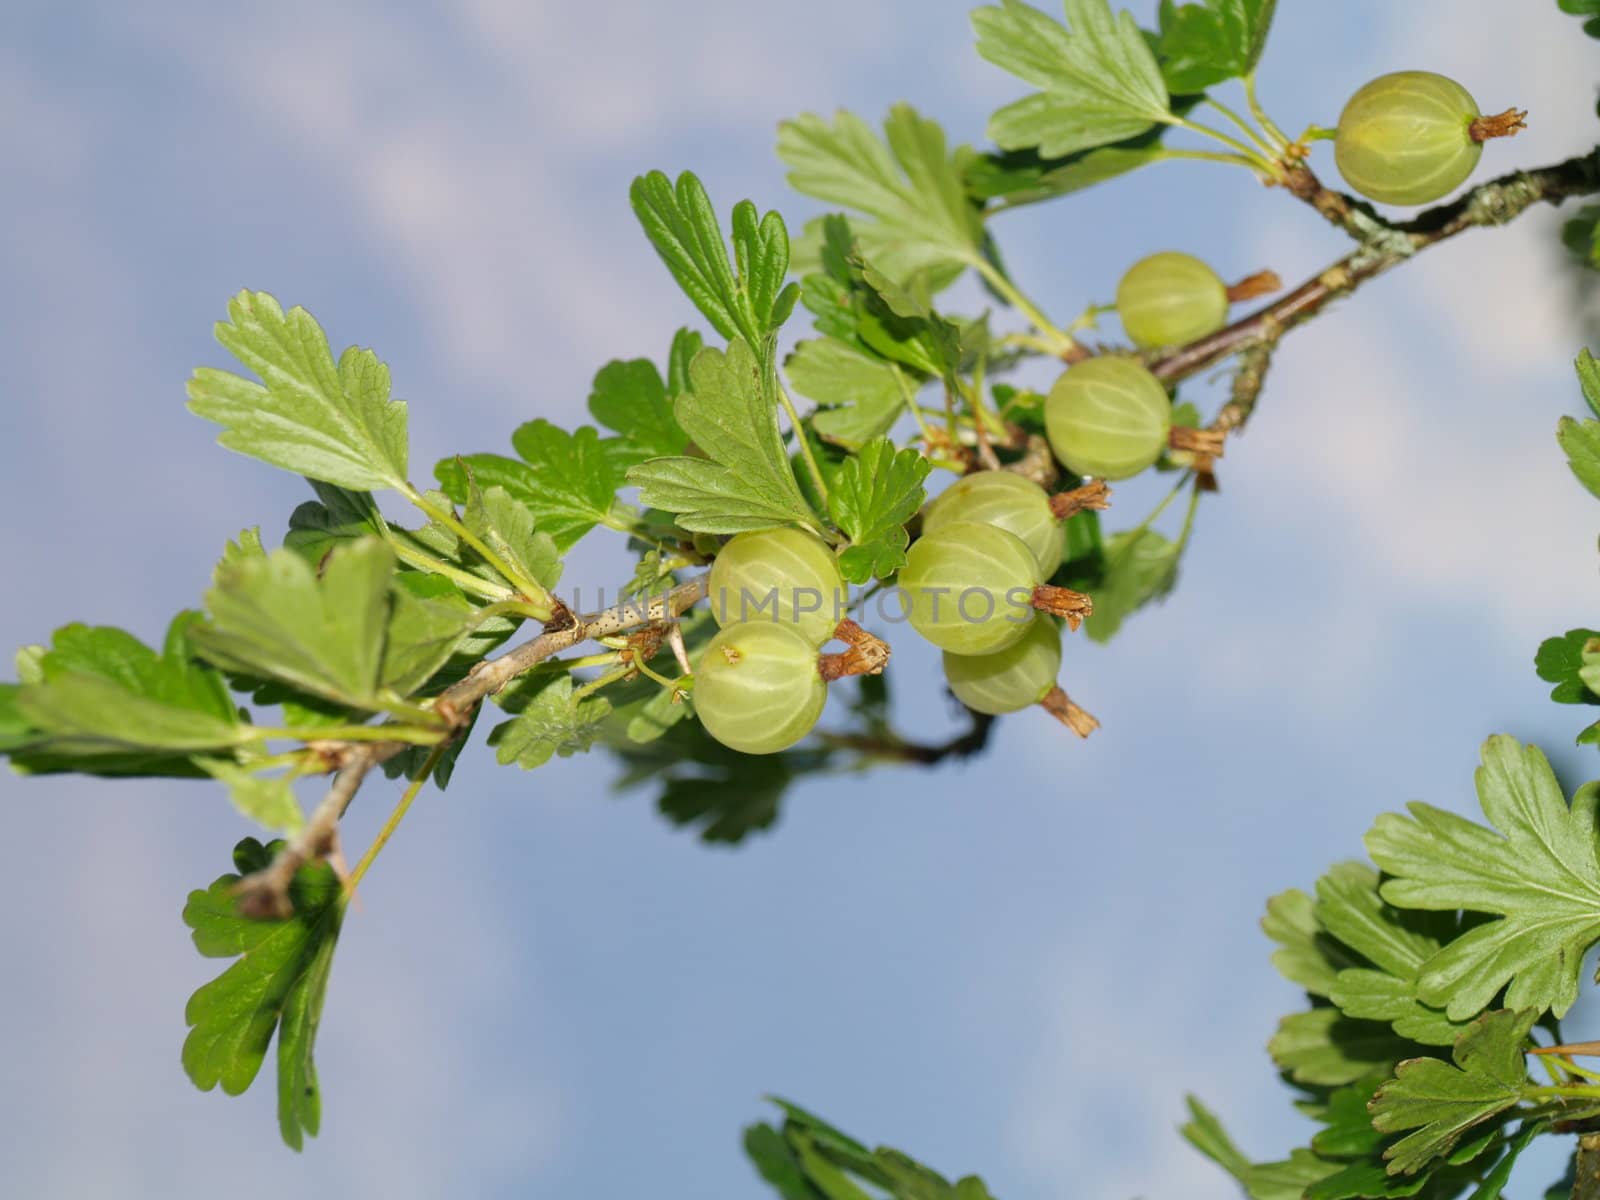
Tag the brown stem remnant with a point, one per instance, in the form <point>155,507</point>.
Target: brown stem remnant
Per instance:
<point>1072,607</point>
<point>1091,497</point>
<point>1060,706</point>
<point>863,654</point>
<point>1253,287</point>
<point>1207,443</point>
<point>1507,124</point>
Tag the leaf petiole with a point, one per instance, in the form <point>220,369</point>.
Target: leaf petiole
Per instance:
<point>530,588</point>
<point>392,822</point>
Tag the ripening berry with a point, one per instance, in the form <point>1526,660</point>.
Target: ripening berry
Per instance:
<point>1108,418</point>
<point>785,576</point>
<point>968,587</point>
<point>1405,138</point>
<point>1171,298</point>
<point>1008,501</point>
<point>757,688</point>
<point>1012,679</point>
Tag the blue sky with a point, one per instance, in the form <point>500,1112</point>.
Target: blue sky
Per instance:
<point>1016,967</point>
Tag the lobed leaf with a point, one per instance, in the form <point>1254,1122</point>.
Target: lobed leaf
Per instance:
<point>566,481</point>
<point>631,398</point>
<point>682,225</point>
<point>746,481</point>
<point>333,422</point>
<point>1140,567</point>
<point>1205,43</point>
<point>549,723</point>
<point>908,183</point>
<point>100,702</point>
<point>871,499</point>
<point>1440,1102</point>
<point>1537,870</point>
<point>862,395</point>
<point>1560,661</point>
<point>278,984</point>
<point>1098,79</point>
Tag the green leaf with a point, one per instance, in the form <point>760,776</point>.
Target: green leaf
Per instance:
<point>862,396</point>
<point>872,498</point>
<point>1290,1179</point>
<point>1307,955</point>
<point>268,800</point>
<point>422,635</point>
<point>726,794</point>
<point>1441,1102</point>
<point>1351,910</point>
<point>331,422</point>
<point>279,983</point>
<point>777,1163</point>
<point>1580,234</point>
<point>101,702</point>
<point>1589,379</point>
<point>682,225</point>
<point>275,618</point>
<point>1560,661</point>
<point>1099,81</point>
<point>745,482</point>
<point>908,183</point>
<point>1581,441</point>
<point>1494,1182</point>
<point>630,398</point>
<point>1140,567</point>
<point>1584,8</point>
<point>1206,43</point>
<point>506,526</point>
<point>334,517</point>
<point>1539,873</point>
<point>552,723</point>
<point>1205,1133</point>
<point>1323,1047</point>
<point>566,481</point>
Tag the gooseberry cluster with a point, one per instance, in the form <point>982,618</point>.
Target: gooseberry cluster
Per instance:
<point>974,585</point>
<point>975,581</point>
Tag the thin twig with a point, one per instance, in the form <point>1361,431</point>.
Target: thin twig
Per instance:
<point>266,892</point>
<point>1385,245</point>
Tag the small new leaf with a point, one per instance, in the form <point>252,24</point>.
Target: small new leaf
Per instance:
<point>1206,43</point>
<point>279,983</point>
<point>908,183</point>
<point>872,498</point>
<point>1537,870</point>
<point>682,225</point>
<point>1098,80</point>
<point>566,481</point>
<point>328,421</point>
<point>745,481</point>
<point>552,723</point>
<point>1441,1102</point>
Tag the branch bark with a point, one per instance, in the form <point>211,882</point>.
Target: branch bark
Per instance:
<point>1384,246</point>
<point>266,892</point>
